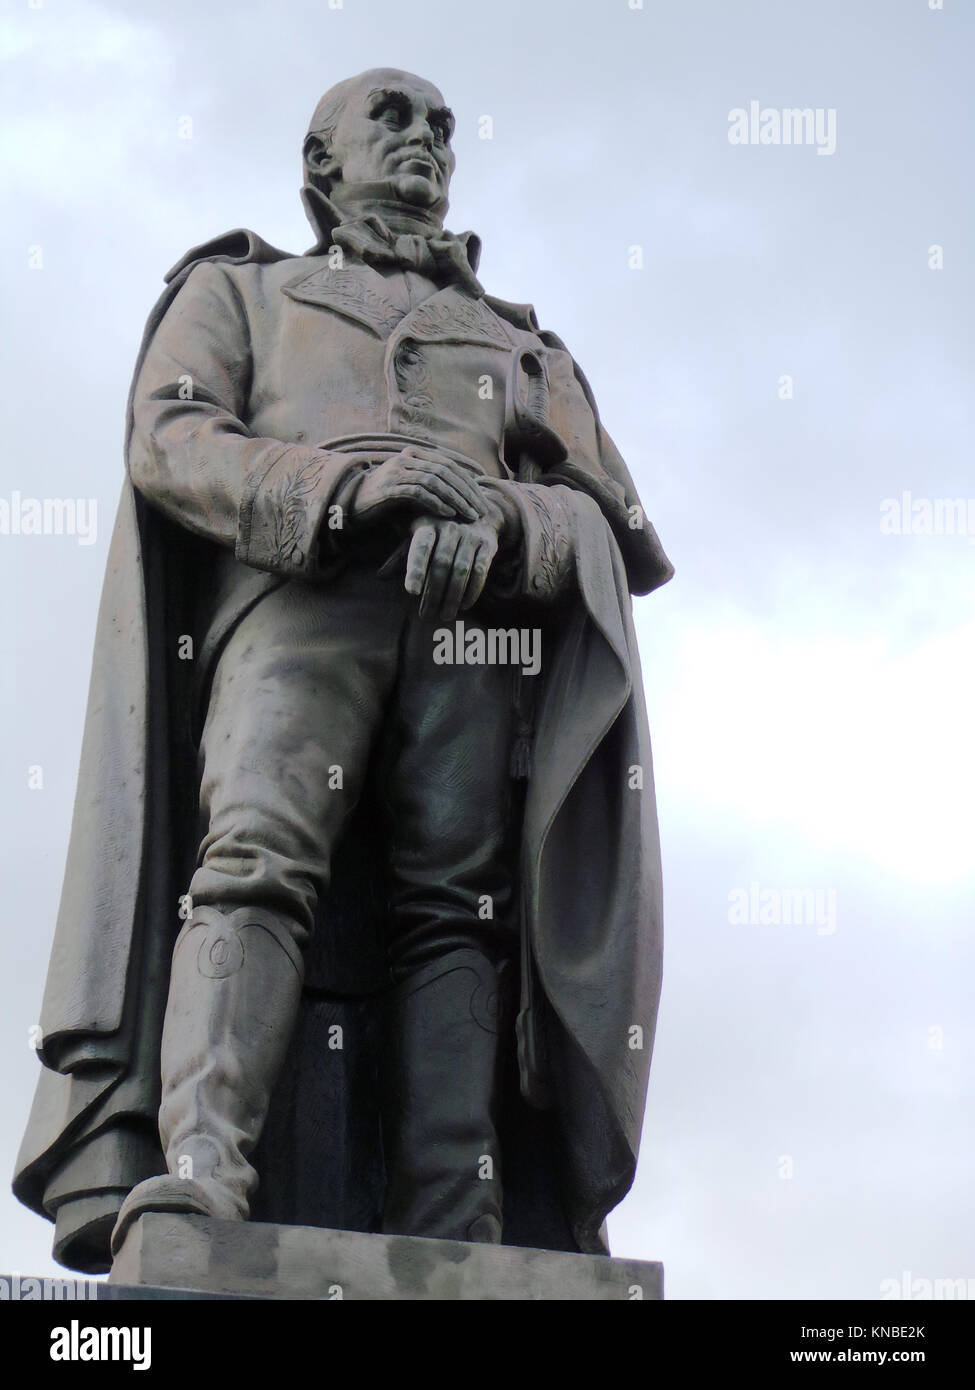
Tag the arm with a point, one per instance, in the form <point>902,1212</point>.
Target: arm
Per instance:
<point>533,554</point>
<point>594,466</point>
<point>192,455</point>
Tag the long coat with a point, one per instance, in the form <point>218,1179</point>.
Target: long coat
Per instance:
<point>252,359</point>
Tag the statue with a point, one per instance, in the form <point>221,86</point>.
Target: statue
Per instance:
<point>363,886</point>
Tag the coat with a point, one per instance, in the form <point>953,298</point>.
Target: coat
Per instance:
<point>224,496</point>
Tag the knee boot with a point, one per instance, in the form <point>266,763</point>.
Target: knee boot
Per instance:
<point>233,1000</point>
<point>440,1093</point>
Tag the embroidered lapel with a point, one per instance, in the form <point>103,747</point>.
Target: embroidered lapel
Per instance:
<point>357,292</point>
<point>450,316</point>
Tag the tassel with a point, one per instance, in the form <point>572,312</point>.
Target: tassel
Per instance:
<point>521,754</point>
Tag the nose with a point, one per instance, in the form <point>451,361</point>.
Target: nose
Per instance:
<point>420,133</point>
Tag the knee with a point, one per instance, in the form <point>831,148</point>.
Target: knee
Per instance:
<point>260,871</point>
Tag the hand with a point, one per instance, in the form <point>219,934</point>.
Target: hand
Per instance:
<point>448,562</point>
<point>419,481</point>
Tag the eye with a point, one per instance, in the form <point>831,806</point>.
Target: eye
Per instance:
<point>441,132</point>
<point>392,113</point>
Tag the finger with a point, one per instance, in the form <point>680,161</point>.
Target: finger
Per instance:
<point>421,499</point>
<point>454,476</point>
<point>439,569</point>
<point>443,488</point>
<point>431,454</point>
<point>480,570</point>
<point>467,468</point>
<point>421,548</point>
<point>464,496</point>
<point>460,573</point>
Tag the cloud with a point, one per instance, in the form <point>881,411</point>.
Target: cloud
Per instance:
<point>847,743</point>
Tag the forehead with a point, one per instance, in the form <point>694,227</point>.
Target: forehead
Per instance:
<point>386,80</point>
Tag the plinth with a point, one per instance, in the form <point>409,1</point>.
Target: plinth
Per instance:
<point>253,1259</point>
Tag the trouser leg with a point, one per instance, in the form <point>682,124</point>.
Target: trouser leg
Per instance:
<point>440,1092</point>
<point>296,703</point>
<point>453,834</point>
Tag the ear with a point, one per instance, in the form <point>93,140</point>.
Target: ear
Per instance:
<point>318,158</point>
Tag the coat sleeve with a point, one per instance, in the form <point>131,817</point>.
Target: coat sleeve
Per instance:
<point>541,566</point>
<point>594,466</point>
<point>192,455</point>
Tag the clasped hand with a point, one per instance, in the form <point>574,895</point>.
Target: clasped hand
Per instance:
<point>456,527</point>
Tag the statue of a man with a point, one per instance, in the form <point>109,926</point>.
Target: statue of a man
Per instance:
<point>375,550</point>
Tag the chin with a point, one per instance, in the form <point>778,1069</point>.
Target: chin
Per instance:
<point>415,189</point>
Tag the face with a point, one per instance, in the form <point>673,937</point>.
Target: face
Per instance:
<point>396,127</point>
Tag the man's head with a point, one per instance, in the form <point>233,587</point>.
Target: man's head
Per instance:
<point>384,126</point>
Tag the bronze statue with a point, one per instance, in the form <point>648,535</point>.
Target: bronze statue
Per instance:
<point>366,740</point>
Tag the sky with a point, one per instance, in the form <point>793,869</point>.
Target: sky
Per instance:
<point>777,337</point>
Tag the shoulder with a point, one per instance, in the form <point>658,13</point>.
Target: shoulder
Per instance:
<point>523,317</point>
<point>519,315</point>
<point>238,268</point>
<point>236,248</point>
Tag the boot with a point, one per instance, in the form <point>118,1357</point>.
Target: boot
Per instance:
<point>233,1000</point>
<point>440,1094</point>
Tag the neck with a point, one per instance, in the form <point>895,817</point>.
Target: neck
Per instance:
<point>381,200</point>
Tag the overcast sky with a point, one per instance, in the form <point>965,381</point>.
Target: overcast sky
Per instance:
<point>786,360</point>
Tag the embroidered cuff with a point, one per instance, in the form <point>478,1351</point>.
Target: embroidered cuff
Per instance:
<point>286,509</point>
<point>542,565</point>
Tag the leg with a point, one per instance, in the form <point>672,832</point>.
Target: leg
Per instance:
<point>453,832</point>
<point>296,702</point>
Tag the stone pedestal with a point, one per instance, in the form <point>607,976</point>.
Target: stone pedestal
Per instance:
<point>257,1260</point>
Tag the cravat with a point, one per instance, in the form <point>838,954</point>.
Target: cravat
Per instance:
<point>441,257</point>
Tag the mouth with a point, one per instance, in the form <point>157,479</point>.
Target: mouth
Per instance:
<point>419,161</point>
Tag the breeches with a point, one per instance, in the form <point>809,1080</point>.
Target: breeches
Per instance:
<point>322,692</point>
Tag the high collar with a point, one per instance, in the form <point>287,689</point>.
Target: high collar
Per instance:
<point>324,216</point>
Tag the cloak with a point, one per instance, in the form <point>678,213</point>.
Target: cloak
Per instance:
<point>590,886</point>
